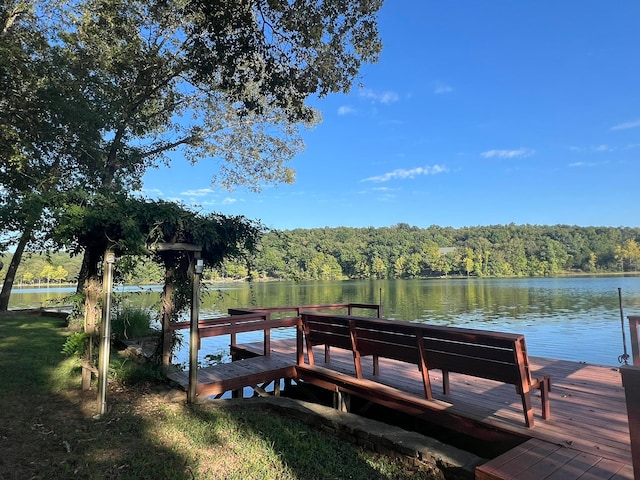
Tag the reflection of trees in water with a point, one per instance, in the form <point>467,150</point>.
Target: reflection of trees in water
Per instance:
<point>450,301</point>
<point>547,311</point>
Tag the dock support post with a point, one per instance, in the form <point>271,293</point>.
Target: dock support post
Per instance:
<point>631,383</point>
<point>341,401</point>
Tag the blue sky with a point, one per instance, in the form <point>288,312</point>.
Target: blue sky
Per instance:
<point>477,113</point>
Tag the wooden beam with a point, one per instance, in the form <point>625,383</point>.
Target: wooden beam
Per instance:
<point>175,247</point>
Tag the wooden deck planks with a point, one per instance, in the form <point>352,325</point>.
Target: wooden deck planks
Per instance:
<point>586,438</point>
<point>588,409</point>
<point>236,375</point>
<point>536,459</point>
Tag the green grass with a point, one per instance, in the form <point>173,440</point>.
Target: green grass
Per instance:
<point>48,428</point>
<point>30,356</point>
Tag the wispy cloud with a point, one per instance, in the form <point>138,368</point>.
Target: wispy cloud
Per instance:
<point>626,125</point>
<point>403,174</point>
<point>441,89</point>
<point>346,110</point>
<point>379,97</point>
<point>582,164</point>
<point>200,192</point>
<point>229,201</point>
<point>520,152</point>
<point>590,149</point>
<point>152,192</point>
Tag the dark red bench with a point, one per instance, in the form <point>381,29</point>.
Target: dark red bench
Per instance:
<point>486,354</point>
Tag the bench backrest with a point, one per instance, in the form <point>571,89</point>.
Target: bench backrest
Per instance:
<point>324,329</point>
<point>492,355</point>
<point>388,339</point>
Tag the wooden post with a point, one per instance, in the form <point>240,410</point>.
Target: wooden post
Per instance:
<point>634,322</point>
<point>631,383</point>
<point>299,342</point>
<point>266,343</point>
<point>194,338</point>
<point>105,330</point>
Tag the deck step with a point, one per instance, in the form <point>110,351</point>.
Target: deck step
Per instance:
<point>537,459</point>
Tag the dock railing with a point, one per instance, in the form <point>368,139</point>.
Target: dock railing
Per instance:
<point>241,320</point>
<point>298,310</point>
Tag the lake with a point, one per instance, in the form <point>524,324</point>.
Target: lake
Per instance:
<point>570,318</point>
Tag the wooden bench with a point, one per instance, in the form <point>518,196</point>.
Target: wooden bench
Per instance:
<point>492,355</point>
<point>337,331</point>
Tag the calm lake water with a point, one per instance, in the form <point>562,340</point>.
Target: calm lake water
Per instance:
<point>566,318</point>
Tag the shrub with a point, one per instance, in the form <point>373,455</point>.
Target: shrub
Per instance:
<point>131,322</point>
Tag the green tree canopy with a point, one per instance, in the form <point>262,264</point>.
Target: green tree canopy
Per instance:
<point>95,92</point>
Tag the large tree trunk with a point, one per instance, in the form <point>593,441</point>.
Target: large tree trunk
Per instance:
<point>7,286</point>
<point>92,288</point>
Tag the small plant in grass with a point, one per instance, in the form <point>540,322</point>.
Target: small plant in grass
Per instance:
<point>75,345</point>
<point>131,322</point>
<point>129,371</point>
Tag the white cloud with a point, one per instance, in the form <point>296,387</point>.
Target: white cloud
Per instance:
<point>152,192</point>
<point>229,200</point>
<point>200,192</point>
<point>441,89</point>
<point>626,125</point>
<point>520,152</point>
<point>379,97</point>
<point>345,110</point>
<point>582,164</point>
<point>589,149</point>
<point>402,173</point>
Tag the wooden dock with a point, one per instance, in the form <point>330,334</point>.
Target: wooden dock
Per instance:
<point>587,436</point>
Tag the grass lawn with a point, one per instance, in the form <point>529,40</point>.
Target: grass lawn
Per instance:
<point>48,429</point>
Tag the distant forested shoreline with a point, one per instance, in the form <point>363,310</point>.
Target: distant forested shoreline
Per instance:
<point>399,251</point>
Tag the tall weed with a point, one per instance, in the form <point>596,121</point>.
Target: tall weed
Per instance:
<point>130,322</point>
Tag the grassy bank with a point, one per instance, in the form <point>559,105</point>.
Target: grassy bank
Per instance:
<point>48,429</point>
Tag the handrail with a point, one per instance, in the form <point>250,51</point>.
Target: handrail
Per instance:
<point>234,324</point>
<point>330,306</point>
<point>298,310</point>
<point>217,321</point>
<point>634,323</point>
<point>254,319</point>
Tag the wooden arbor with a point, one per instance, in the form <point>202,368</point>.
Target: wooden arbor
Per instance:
<point>170,252</point>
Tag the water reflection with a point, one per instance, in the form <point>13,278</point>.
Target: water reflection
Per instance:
<point>567,318</point>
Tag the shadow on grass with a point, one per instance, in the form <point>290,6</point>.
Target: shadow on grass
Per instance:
<point>298,451</point>
<point>47,429</point>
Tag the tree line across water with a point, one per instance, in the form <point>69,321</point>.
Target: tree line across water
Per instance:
<point>400,251</point>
